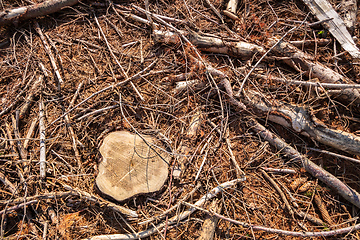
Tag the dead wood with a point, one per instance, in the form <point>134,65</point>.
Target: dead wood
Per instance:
<point>238,49</point>
<point>344,190</point>
<point>33,11</point>
<point>323,10</point>
<point>174,219</point>
<point>348,10</point>
<point>303,62</point>
<point>42,158</point>
<point>209,225</point>
<point>187,101</point>
<point>299,119</point>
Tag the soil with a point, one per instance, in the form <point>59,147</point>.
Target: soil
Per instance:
<point>151,105</point>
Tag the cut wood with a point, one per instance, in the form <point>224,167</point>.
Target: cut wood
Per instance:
<point>131,165</point>
<point>238,49</point>
<point>299,119</point>
<point>323,10</point>
<point>301,61</point>
<point>33,11</point>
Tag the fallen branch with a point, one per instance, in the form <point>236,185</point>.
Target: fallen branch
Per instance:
<point>17,207</point>
<point>42,128</point>
<point>301,121</point>
<point>8,184</point>
<point>301,61</point>
<point>344,190</point>
<point>172,220</point>
<point>340,231</point>
<point>238,49</point>
<point>307,83</point>
<point>33,11</point>
<point>102,202</point>
<point>50,54</point>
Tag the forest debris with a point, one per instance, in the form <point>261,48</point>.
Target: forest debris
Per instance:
<point>163,214</point>
<point>302,62</point>
<point>348,10</point>
<point>323,10</point>
<point>281,193</point>
<point>16,207</point>
<point>33,11</point>
<point>50,54</point>
<point>298,118</point>
<point>173,220</point>
<point>209,225</point>
<point>130,165</point>
<point>8,184</point>
<point>296,183</point>
<point>42,129</point>
<point>325,233</point>
<point>344,190</point>
<point>279,170</point>
<point>324,213</point>
<point>238,49</point>
<point>305,187</point>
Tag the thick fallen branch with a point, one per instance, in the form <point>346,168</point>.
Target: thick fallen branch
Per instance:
<point>33,11</point>
<point>239,49</point>
<point>299,119</point>
<point>344,190</point>
<point>302,62</point>
<point>172,220</point>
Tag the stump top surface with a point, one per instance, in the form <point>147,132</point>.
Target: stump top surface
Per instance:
<point>129,166</point>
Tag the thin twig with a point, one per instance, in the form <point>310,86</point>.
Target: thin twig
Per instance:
<point>42,128</point>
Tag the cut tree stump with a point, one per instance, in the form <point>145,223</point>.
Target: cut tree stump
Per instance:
<point>131,165</point>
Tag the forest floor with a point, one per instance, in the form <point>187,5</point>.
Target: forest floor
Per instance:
<point>97,46</point>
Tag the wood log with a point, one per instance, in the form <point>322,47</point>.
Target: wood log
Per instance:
<point>33,11</point>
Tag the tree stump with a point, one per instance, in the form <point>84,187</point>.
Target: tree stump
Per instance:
<point>131,165</point>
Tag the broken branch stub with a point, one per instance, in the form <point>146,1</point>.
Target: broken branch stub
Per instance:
<point>131,165</point>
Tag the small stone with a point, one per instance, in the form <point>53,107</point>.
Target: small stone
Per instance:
<point>131,166</point>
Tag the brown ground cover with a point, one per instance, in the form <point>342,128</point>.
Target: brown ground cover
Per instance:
<point>116,77</point>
